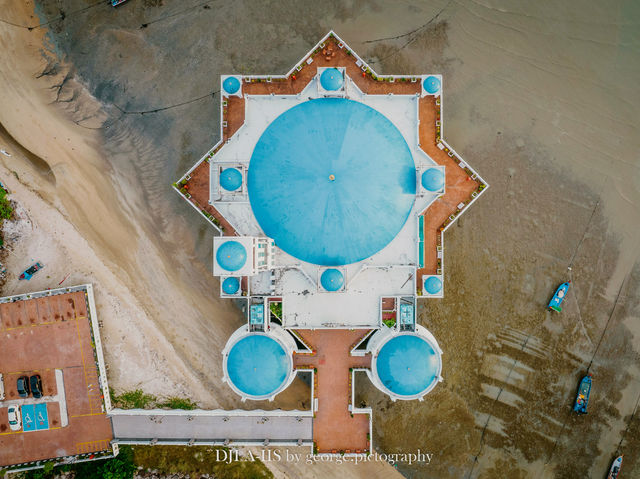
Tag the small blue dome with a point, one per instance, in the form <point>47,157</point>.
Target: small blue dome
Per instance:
<point>231,85</point>
<point>258,365</point>
<point>431,85</point>
<point>407,365</point>
<point>433,285</point>
<point>332,279</point>
<point>231,179</point>
<point>331,79</point>
<point>231,255</point>
<point>433,179</point>
<point>231,285</point>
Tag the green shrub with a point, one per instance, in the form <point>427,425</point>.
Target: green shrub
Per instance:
<point>178,403</point>
<point>120,467</point>
<point>137,399</point>
<point>276,309</point>
<point>6,211</point>
<point>198,460</point>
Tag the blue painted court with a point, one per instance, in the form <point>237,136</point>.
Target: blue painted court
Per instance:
<point>332,181</point>
<point>34,417</point>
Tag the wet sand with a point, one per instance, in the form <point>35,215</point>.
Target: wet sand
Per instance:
<point>541,101</point>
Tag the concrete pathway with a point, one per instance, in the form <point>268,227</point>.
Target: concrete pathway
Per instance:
<point>140,426</point>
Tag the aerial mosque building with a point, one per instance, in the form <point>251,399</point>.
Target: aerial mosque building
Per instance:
<point>331,189</point>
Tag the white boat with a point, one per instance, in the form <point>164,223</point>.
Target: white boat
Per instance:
<point>615,468</point>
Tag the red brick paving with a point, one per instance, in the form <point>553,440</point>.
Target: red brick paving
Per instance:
<point>458,184</point>
<point>198,188</point>
<point>41,335</point>
<point>233,114</point>
<point>334,429</point>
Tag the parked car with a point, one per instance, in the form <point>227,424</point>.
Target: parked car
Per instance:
<point>15,422</point>
<point>36,386</point>
<point>23,386</point>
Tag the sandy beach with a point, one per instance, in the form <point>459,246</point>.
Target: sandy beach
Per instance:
<point>75,215</point>
<point>104,109</point>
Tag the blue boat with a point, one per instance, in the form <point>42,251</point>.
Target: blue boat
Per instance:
<point>582,399</point>
<point>29,272</point>
<point>558,297</point>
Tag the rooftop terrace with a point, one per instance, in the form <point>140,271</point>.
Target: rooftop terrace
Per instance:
<point>462,184</point>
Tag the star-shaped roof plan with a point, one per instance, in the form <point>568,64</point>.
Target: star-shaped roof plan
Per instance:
<point>331,188</point>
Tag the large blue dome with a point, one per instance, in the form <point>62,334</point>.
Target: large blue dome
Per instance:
<point>231,255</point>
<point>231,285</point>
<point>332,279</point>
<point>431,84</point>
<point>433,285</point>
<point>231,179</point>
<point>433,179</point>
<point>332,181</point>
<point>231,85</point>
<point>331,79</point>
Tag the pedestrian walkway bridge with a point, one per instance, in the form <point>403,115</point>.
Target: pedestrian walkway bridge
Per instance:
<point>216,427</point>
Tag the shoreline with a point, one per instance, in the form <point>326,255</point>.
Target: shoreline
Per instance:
<point>97,231</point>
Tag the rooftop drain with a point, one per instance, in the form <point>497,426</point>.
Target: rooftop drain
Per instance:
<point>433,179</point>
<point>231,285</point>
<point>431,85</point>
<point>231,255</point>
<point>231,179</point>
<point>332,279</point>
<point>231,85</point>
<point>331,79</point>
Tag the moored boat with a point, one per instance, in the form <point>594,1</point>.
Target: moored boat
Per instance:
<point>558,296</point>
<point>614,472</point>
<point>29,272</point>
<point>582,399</point>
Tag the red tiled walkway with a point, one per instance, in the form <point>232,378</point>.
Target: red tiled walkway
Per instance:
<point>459,185</point>
<point>334,429</point>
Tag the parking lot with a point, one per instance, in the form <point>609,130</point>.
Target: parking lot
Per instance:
<point>51,336</point>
